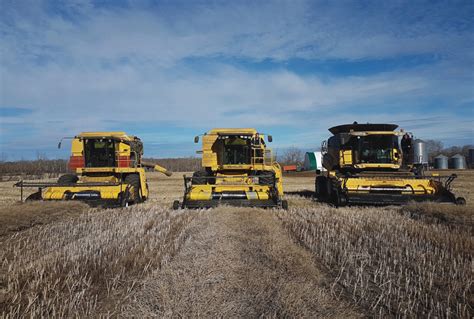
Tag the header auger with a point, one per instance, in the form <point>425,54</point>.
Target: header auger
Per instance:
<point>108,168</point>
<point>364,165</point>
<point>237,169</point>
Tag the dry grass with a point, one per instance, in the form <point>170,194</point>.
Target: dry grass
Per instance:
<point>450,215</point>
<point>390,264</point>
<point>238,263</point>
<point>147,260</point>
<point>80,266</point>
<point>20,216</point>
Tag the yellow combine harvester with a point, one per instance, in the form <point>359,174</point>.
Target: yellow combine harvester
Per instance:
<point>108,167</point>
<point>238,169</point>
<point>364,166</point>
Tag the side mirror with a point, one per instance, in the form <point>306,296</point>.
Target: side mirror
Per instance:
<point>59,145</point>
<point>269,138</point>
<point>196,139</point>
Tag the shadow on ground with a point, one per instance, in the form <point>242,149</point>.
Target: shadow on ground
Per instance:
<point>306,193</point>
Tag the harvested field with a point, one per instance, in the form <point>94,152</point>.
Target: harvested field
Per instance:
<point>66,259</point>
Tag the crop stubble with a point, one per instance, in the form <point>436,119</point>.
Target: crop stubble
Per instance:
<point>311,260</point>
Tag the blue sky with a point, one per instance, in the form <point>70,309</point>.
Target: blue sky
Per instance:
<point>169,70</point>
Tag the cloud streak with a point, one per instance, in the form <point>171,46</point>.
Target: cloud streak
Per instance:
<point>81,66</point>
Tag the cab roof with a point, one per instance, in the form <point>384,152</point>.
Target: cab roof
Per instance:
<point>114,135</point>
<point>233,131</point>
<point>368,127</point>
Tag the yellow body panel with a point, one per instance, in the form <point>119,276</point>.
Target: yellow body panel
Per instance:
<point>120,135</point>
<point>407,186</point>
<point>113,170</point>
<point>106,192</point>
<point>247,131</point>
<point>345,157</point>
<point>76,147</point>
<point>378,165</point>
<point>204,192</point>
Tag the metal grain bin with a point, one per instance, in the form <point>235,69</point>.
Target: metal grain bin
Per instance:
<point>441,162</point>
<point>420,153</point>
<point>458,161</point>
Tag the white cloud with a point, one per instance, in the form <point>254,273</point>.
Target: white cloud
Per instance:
<point>81,66</point>
<point>164,35</point>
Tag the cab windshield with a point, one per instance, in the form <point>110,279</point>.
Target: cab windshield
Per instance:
<point>376,148</point>
<point>235,149</point>
<point>99,152</point>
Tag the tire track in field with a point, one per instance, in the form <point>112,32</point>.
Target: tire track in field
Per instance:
<point>238,263</point>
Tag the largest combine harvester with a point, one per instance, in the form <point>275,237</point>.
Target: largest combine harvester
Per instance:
<point>237,169</point>
<point>108,168</point>
<point>364,165</point>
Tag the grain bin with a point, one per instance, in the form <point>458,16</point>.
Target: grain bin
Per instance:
<point>441,162</point>
<point>458,161</point>
<point>420,154</point>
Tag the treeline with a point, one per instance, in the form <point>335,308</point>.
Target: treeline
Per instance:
<point>292,156</point>
<point>295,156</point>
<point>32,169</point>
<point>188,164</point>
<point>436,148</point>
<point>41,168</point>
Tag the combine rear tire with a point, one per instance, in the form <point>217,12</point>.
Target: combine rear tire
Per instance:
<point>460,201</point>
<point>68,179</point>
<point>134,181</point>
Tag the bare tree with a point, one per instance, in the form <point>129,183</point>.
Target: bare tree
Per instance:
<point>434,148</point>
<point>293,156</point>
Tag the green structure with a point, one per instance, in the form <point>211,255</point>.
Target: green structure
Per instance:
<point>311,161</point>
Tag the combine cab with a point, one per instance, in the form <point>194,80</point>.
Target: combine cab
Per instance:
<point>364,165</point>
<point>108,168</point>
<point>237,169</point>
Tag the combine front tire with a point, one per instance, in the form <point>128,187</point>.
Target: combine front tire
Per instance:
<point>340,199</point>
<point>321,188</point>
<point>68,179</point>
<point>266,178</point>
<point>460,201</point>
<point>35,196</point>
<point>134,181</point>
<point>176,205</point>
<point>284,204</point>
<point>199,178</point>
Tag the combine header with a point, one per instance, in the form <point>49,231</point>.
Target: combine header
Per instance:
<point>364,165</point>
<point>238,169</point>
<point>108,167</point>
